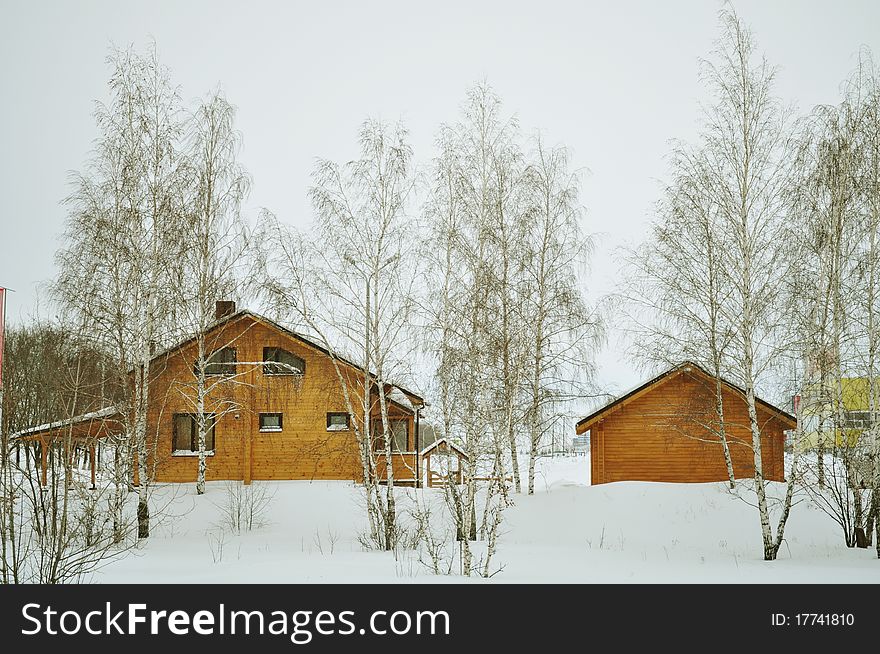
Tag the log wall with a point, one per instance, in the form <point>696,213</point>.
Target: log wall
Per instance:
<point>669,434</point>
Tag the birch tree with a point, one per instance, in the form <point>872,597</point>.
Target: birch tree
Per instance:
<point>862,94</point>
<point>214,259</point>
<point>122,236</point>
<point>747,142</point>
<point>869,183</point>
<point>826,235</point>
<point>352,285</point>
<point>677,290</point>
<point>562,331</point>
<point>477,272</point>
<point>493,184</point>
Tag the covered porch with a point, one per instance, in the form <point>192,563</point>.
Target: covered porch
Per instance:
<point>81,436</point>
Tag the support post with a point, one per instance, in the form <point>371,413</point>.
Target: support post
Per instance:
<point>248,462</point>
<point>428,470</point>
<point>417,448</point>
<point>44,454</point>
<point>92,465</point>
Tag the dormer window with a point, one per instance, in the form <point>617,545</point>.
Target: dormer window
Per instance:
<point>221,362</point>
<point>281,362</point>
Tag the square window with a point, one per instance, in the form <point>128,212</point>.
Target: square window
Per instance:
<point>271,421</point>
<point>337,421</point>
<point>185,436</point>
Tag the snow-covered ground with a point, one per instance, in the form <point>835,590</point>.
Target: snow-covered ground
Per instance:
<point>568,531</point>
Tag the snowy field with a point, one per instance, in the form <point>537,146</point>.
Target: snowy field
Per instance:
<point>567,532</point>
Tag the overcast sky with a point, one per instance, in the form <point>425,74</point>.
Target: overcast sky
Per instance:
<point>613,81</point>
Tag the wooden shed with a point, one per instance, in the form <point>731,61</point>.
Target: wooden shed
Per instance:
<point>667,430</point>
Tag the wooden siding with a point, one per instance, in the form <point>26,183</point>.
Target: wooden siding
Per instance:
<point>665,435</point>
<point>404,465</point>
<point>303,449</point>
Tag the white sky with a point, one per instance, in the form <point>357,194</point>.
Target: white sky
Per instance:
<point>613,81</point>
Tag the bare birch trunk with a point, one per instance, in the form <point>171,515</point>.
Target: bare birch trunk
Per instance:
<point>140,438</point>
<point>355,282</point>
<point>719,409</point>
<point>201,423</point>
<point>714,308</point>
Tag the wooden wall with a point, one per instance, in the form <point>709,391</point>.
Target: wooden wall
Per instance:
<point>304,449</point>
<point>405,467</point>
<point>663,436</point>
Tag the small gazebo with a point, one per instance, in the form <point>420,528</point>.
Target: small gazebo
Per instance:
<point>441,463</point>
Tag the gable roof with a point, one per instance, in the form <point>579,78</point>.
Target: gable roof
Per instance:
<point>397,395</point>
<point>440,441</point>
<point>684,367</point>
<point>256,317</point>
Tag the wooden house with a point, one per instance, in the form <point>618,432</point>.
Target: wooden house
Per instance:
<point>275,406</point>
<point>667,430</point>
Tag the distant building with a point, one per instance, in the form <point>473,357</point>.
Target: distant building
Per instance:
<point>580,444</point>
<point>836,413</point>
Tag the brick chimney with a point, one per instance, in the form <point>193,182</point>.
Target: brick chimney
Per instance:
<point>224,309</point>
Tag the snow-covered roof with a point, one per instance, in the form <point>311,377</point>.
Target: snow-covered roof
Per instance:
<point>399,397</point>
<point>106,412</point>
<point>436,443</point>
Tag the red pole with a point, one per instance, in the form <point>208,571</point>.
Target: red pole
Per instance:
<point>2,336</point>
<point>2,349</point>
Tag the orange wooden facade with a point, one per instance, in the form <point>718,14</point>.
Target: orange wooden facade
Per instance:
<point>304,447</point>
<point>666,431</point>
